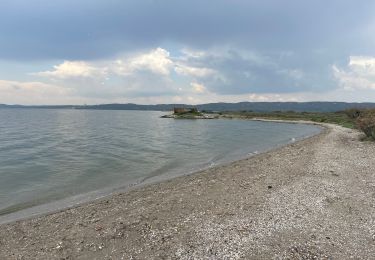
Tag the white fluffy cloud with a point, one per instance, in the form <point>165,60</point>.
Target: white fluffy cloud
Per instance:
<point>155,76</point>
<point>362,64</point>
<point>157,61</point>
<point>15,92</point>
<point>153,72</point>
<point>193,71</point>
<point>272,97</point>
<point>72,69</point>
<point>359,74</point>
<point>222,71</point>
<point>198,88</point>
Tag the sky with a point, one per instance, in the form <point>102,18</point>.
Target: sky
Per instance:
<point>172,51</point>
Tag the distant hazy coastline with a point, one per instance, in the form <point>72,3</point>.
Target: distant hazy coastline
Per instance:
<point>240,106</point>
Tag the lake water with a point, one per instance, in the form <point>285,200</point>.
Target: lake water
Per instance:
<point>61,157</point>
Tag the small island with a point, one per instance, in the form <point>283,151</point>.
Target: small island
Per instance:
<point>189,113</point>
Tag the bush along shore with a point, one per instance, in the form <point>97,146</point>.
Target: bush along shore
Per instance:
<point>354,118</point>
<point>365,121</point>
<point>361,119</point>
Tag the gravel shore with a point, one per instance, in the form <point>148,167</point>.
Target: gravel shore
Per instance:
<point>314,199</point>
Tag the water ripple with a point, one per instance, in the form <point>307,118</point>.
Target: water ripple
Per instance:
<point>46,155</point>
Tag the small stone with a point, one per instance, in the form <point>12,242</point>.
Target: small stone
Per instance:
<point>98,228</point>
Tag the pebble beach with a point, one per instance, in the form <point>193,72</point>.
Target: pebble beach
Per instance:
<point>312,199</point>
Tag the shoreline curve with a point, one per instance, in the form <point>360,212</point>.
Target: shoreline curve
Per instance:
<point>311,198</point>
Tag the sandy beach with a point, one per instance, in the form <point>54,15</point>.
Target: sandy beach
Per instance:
<point>314,199</point>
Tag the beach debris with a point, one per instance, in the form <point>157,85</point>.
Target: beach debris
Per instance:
<point>59,246</point>
<point>305,251</point>
<point>98,228</point>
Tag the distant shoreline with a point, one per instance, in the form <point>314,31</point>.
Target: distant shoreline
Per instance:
<point>214,107</point>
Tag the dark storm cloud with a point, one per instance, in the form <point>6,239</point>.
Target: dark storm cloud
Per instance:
<point>41,29</point>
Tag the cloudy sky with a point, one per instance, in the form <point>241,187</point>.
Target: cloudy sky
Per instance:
<point>172,51</point>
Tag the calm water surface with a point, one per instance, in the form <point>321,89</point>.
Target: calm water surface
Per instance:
<point>49,155</point>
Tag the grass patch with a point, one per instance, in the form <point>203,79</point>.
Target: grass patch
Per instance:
<point>194,113</point>
<point>340,118</point>
<point>362,119</point>
<point>188,115</point>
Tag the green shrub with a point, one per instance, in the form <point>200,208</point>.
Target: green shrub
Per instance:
<point>354,113</point>
<point>366,123</point>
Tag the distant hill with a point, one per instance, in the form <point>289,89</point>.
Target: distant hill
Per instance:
<point>242,106</point>
<point>285,106</point>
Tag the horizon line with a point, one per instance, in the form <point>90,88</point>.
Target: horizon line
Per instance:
<point>160,104</point>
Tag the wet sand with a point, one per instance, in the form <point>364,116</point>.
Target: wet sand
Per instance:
<point>314,199</point>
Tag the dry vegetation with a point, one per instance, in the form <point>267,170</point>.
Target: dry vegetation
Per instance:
<point>365,121</point>
<point>362,119</point>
